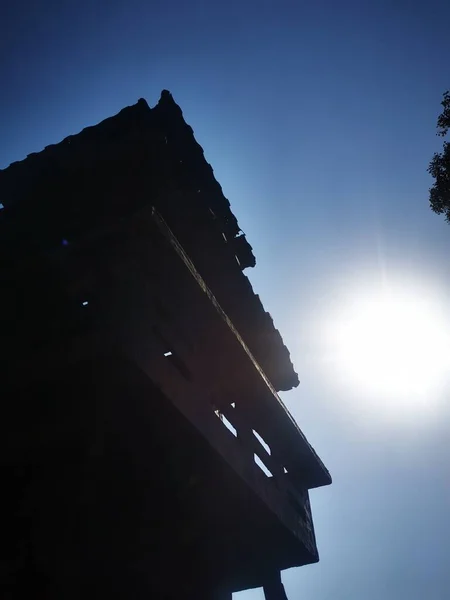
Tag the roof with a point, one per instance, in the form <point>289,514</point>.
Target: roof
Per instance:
<point>142,155</point>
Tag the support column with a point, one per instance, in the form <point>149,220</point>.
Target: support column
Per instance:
<point>274,588</point>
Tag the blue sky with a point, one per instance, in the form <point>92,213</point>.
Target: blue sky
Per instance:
<point>319,121</point>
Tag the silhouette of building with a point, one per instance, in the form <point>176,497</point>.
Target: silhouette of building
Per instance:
<point>146,453</point>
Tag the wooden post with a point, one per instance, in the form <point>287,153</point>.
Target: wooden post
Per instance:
<point>274,588</point>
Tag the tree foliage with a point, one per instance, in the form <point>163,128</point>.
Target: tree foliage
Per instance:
<point>439,167</point>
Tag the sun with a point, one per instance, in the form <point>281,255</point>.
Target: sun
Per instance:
<point>392,344</point>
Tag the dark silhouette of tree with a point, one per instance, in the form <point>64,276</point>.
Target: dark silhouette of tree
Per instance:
<point>439,167</point>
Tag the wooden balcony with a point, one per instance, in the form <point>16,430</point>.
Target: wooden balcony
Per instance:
<point>173,466</point>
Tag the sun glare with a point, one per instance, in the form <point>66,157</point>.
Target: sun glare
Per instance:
<point>392,344</point>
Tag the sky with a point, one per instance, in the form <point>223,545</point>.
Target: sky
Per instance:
<point>319,121</point>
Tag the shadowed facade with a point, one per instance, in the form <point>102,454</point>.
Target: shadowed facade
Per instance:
<point>146,451</point>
